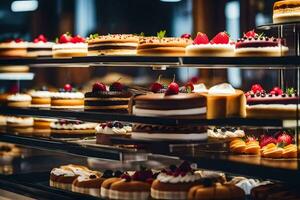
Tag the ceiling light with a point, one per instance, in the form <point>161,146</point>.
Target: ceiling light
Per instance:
<point>170,1</point>
<point>24,6</point>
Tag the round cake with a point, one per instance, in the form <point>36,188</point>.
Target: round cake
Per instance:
<point>19,100</point>
<point>40,99</point>
<point>114,98</point>
<point>13,48</point>
<point>19,122</point>
<point>255,45</point>
<point>113,44</point>
<point>67,98</point>
<point>286,11</point>
<point>220,45</point>
<point>39,47</point>
<point>162,46</point>
<point>69,46</point>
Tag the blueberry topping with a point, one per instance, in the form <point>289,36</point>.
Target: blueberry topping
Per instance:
<point>223,129</point>
<point>93,176</point>
<point>173,168</point>
<point>118,173</point>
<point>233,129</point>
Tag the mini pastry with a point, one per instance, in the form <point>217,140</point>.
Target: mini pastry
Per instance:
<point>40,47</point>
<point>175,183</point>
<point>67,128</point>
<point>105,131</point>
<point>114,98</point>
<point>210,190</point>
<point>112,178</point>
<point>113,44</point>
<point>68,46</point>
<point>162,46</point>
<point>224,133</point>
<point>223,101</point>
<point>19,122</point>
<point>220,45</point>
<point>252,146</point>
<point>19,100</point>
<point>13,48</point>
<point>286,11</point>
<point>64,176</point>
<point>67,98</point>
<point>255,45</point>
<point>40,98</point>
<point>275,104</point>
<point>132,187</point>
<point>237,146</point>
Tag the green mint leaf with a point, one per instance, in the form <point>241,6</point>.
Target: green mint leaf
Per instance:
<point>290,91</point>
<point>161,34</point>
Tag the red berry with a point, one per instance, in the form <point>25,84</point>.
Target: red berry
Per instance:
<point>250,138</point>
<point>68,88</point>
<point>156,87</point>
<point>189,86</point>
<point>250,34</point>
<point>77,39</point>
<point>173,88</point>
<point>276,91</point>
<point>194,80</point>
<point>36,40</point>
<point>201,38</point>
<point>65,38</point>
<point>99,87</point>
<point>265,140</point>
<point>42,38</point>
<point>186,36</point>
<point>256,88</point>
<point>220,38</point>
<point>116,86</point>
<point>285,138</point>
<point>18,40</point>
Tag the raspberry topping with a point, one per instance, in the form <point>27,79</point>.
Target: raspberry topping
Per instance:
<point>116,86</point>
<point>285,139</point>
<point>68,88</point>
<point>40,38</point>
<point>186,36</point>
<point>250,34</point>
<point>99,87</point>
<point>67,38</point>
<point>276,91</point>
<point>257,88</point>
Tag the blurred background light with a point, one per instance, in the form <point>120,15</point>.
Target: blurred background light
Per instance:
<point>170,1</point>
<point>24,6</point>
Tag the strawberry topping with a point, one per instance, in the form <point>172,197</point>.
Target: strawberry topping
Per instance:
<point>186,36</point>
<point>156,87</point>
<point>265,140</point>
<point>256,88</point>
<point>250,34</point>
<point>201,38</point>
<point>172,89</point>
<point>99,87</point>
<point>116,86</point>
<point>65,38</point>
<point>276,91</point>
<point>285,138</point>
<point>220,38</point>
<point>40,38</point>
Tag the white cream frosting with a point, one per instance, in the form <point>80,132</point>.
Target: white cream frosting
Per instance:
<point>20,120</point>
<point>19,97</point>
<point>71,126</point>
<point>199,88</point>
<point>41,94</point>
<point>189,177</point>
<point>224,88</point>
<point>226,134</point>
<point>211,46</point>
<point>67,95</point>
<point>148,112</point>
<point>13,44</point>
<point>113,130</point>
<point>169,136</point>
<point>62,172</point>
<point>40,44</point>
<point>70,45</point>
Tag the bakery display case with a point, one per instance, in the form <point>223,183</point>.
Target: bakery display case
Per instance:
<point>129,116</point>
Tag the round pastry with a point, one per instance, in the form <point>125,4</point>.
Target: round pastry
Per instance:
<point>286,11</point>
<point>67,128</point>
<point>39,47</point>
<point>210,190</point>
<point>64,176</point>
<point>255,45</point>
<point>132,187</point>
<point>42,123</point>
<point>224,133</point>
<point>275,104</point>
<point>14,69</point>
<point>105,131</point>
<point>250,146</point>
<point>69,46</point>
<point>9,150</point>
<point>105,187</point>
<point>237,146</point>
<point>113,44</point>
<point>220,45</point>
<point>162,46</point>
<point>175,183</point>
<point>67,98</point>
<point>40,99</point>
<point>114,98</point>
<point>13,48</point>
<point>224,101</point>
<point>19,122</point>
<point>19,100</point>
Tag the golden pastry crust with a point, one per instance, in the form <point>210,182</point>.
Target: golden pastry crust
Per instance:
<point>131,186</point>
<point>114,38</point>
<point>160,186</point>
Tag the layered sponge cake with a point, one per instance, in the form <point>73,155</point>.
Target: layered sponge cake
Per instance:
<point>286,11</point>
<point>113,44</point>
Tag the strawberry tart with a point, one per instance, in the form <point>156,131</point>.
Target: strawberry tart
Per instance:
<point>113,44</point>
<point>286,11</point>
<point>67,98</point>
<point>273,104</point>
<point>105,131</point>
<point>255,45</point>
<point>175,183</point>
<point>162,46</point>
<point>102,98</point>
<point>13,48</point>
<point>68,128</point>
<point>220,45</point>
<point>39,47</point>
<point>68,46</point>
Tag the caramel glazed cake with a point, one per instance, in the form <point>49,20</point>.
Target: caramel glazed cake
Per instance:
<point>119,44</point>
<point>286,11</point>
